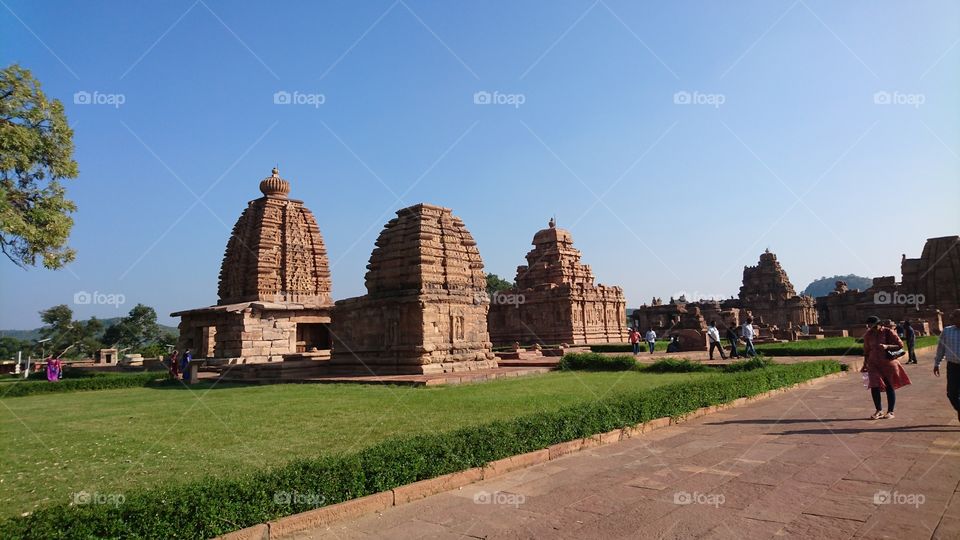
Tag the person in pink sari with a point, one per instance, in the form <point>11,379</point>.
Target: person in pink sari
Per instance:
<point>54,369</point>
<point>883,373</point>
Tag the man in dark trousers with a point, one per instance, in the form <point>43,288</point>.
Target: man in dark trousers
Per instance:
<point>910,339</point>
<point>732,337</point>
<point>713,335</point>
<point>948,347</point>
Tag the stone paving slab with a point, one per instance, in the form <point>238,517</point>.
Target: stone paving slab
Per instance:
<point>802,464</point>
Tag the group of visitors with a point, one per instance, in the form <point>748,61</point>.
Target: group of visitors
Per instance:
<point>650,337</point>
<point>746,334</point>
<point>178,364</point>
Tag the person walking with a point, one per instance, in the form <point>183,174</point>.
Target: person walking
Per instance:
<point>910,338</point>
<point>651,338</point>
<point>733,338</point>
<point>883,371</point>
<point>948,347</point>
<point>174,366</point>
<point>714,337</point>
<point>748,334</point>
<point>635,341</point>
<point>185,364</point>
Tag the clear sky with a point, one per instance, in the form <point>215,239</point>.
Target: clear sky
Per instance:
<point>676,140</point>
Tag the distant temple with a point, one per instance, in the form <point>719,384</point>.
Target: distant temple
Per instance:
<point>770,297</point>
<point>274,293</point>
<point>555,300</point>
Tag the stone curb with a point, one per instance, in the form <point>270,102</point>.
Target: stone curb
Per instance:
<point>377,502</point>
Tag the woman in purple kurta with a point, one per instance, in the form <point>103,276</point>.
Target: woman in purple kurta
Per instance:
<point>54,369</point>
<point>883,373</point>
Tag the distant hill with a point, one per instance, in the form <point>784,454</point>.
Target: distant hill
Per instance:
<point>30,335</point>
<point>825,285</point>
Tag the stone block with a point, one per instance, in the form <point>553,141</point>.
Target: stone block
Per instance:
<point>432,486</point>
<point>501,466</point>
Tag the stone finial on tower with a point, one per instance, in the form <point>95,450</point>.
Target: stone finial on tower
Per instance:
<point>274,186</point>
<point>552,223</point>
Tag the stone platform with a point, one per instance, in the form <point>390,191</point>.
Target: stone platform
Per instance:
<point>432,379</point>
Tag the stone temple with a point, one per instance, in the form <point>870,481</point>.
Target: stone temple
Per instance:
<point>770,297</point>
<point>425,310</point>
<point>554,299</point>
<point>274,293</point>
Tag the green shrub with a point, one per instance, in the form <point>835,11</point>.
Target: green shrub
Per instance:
<point>758,362</point>
<point>101,381</point>
<point>596,362</point>
<point>626,347</point>
<point>676,365</point>
<point>211,506</point>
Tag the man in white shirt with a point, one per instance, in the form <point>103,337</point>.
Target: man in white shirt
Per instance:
<point>747,336</point>
<point>651,338</point>
<point>948,348</point>
<point>713,335</point>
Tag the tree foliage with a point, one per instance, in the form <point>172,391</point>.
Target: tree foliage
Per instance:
<point>824,285</point>
<point>138,329</point>
<point>496,284</point>
<point>36,152</point>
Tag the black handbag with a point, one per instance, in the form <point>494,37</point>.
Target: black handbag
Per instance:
<point>893,355</point>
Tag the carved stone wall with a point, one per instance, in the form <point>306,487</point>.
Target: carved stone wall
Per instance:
<point>425,308</point>
<point>276,252</point>
<point>554,299</point>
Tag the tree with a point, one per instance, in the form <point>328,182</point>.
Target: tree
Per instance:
<point>81,338</point>
<point>36,152</point>
<point>138,329</point>
<point>10,346</point>
<point>496,284</point>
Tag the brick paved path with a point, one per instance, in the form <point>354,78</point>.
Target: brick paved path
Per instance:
<point>804,464</point>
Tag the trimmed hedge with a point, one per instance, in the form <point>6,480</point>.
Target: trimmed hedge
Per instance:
<point>676,365</point>
<point>748,365</point>
<point>626,347</point>
<point>97,382</point>
<point>214,505</point>
<point>596,362</point>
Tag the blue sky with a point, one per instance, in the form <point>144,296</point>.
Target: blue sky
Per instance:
<point>675,140</point>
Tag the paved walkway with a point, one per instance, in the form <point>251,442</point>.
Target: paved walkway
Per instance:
<point>804,464</point>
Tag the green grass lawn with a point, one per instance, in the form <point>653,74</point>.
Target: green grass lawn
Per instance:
<point>834,346</point>
<point>109,441</point>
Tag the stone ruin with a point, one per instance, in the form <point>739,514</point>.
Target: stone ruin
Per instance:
<point>933,278</point>
<point>274,292</point>
<point>425,310</point>
<point>768,294</point>
<point>555,300</point>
